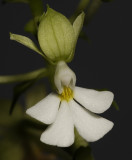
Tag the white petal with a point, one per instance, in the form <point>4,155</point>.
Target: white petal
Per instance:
<point>95,101</point>
<point>45,110</point>
<point>61,132</point>
<point>90,126</point>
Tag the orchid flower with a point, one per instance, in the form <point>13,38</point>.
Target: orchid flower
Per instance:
<point>72,107</point>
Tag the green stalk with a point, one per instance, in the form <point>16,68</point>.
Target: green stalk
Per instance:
<point>43,72</point>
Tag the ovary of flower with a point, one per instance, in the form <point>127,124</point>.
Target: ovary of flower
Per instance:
<point>72,107</point>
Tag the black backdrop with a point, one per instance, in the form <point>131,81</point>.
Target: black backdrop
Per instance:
<point>105,62</point>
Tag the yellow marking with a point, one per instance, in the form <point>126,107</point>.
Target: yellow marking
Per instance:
<point>67,94</point>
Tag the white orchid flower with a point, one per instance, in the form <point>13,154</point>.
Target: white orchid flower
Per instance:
<point>72,107</point>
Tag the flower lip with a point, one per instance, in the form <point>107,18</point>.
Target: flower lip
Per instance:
<point>64,116</point>
<point>67,94</point>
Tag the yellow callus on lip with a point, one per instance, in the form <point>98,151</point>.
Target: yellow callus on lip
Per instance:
<point>67,94</point>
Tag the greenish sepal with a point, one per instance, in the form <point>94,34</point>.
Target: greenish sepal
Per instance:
<point>77,26</point>
<point>56,36</point>
<point>26,42</point>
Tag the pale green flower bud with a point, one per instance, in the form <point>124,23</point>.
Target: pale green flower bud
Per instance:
<point>56,36</point>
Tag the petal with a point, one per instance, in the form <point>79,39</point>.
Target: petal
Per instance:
<point>95,101</point>
<point>61,132</point>
<point>45,110</point>
<point>90,126</point>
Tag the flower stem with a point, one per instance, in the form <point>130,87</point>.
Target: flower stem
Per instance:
<point>43,72</point>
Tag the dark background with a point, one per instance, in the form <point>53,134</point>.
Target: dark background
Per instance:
<point>105,62</point>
